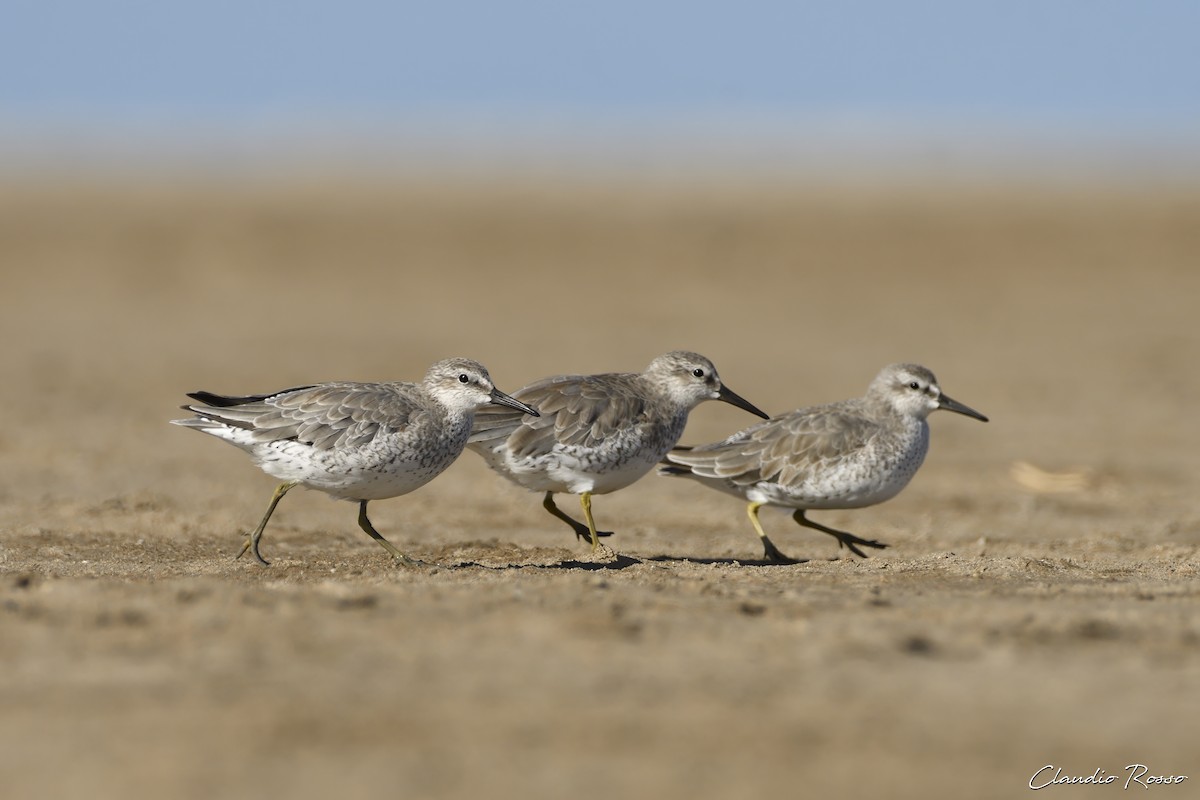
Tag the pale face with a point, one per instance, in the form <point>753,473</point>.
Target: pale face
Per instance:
<point>460,384</point>
<point>463,385</point>
<point>687,377</point>
<point>913,390</point>
<point>690,379</point>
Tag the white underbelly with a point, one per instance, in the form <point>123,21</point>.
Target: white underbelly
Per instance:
<point>369,476</point>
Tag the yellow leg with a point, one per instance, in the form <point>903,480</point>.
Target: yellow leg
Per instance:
<point>366,525</point>
<point>252,539</point>
<point>585,500</point>
<point>770,551</point>
<point>581,531</point>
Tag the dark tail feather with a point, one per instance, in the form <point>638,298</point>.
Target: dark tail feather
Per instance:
<point>226,401</point>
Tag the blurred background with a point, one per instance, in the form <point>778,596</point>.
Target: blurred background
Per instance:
<point>779,87</point>
<point>245,196</point>
<point>242,196</point>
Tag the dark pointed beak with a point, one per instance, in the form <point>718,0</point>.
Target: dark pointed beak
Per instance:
<point>949,404</point>
<point>501,399</point>
<point>734,399</point>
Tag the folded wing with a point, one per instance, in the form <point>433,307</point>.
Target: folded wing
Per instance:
<point>575,410</point>
<point>783,450</point>
<point>326,416</point>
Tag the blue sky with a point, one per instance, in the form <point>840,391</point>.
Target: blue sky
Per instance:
<point>1082,66</point>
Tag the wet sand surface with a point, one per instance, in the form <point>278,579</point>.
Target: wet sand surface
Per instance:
<point>1021,617</point>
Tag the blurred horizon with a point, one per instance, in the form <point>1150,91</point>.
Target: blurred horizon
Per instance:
<point>1068,87</point>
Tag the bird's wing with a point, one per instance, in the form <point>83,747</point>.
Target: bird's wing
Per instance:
<point>579,410</point>
<point>782,450</point>
<point>325,416</point>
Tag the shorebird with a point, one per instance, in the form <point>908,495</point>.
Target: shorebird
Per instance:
<point>850,454</point>
<point>597,433</point>
<point>353,441</point>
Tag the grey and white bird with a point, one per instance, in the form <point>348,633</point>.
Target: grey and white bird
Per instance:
<point>850,454</point>
<point>597,433</point>
<point>354,441</point>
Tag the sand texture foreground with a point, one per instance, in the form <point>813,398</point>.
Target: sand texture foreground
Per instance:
<point>1038,604</point>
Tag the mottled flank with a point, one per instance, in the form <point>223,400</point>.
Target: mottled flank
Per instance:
<point>850,454</point>
<point>597,433</point>
<point>354,441</point>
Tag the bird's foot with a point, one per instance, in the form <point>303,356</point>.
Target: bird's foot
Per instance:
<point>408,562</point>
<point>583,534</point>
<point>851,543</point>
<point>777,556</point>
<point>252,546</point>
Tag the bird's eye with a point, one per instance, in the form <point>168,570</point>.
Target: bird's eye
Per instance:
<point>463,378</point>
<point>699,373</point>
<point>914,385</point>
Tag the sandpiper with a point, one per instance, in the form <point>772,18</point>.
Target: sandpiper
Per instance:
<point>850,454</point>
<point>354,441</point>
<point>597,433</point>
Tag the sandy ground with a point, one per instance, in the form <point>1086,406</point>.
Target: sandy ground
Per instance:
<point>1009,627</point>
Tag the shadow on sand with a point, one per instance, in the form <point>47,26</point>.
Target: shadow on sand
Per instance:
<point>621,562</point>
<point>624,562</point>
